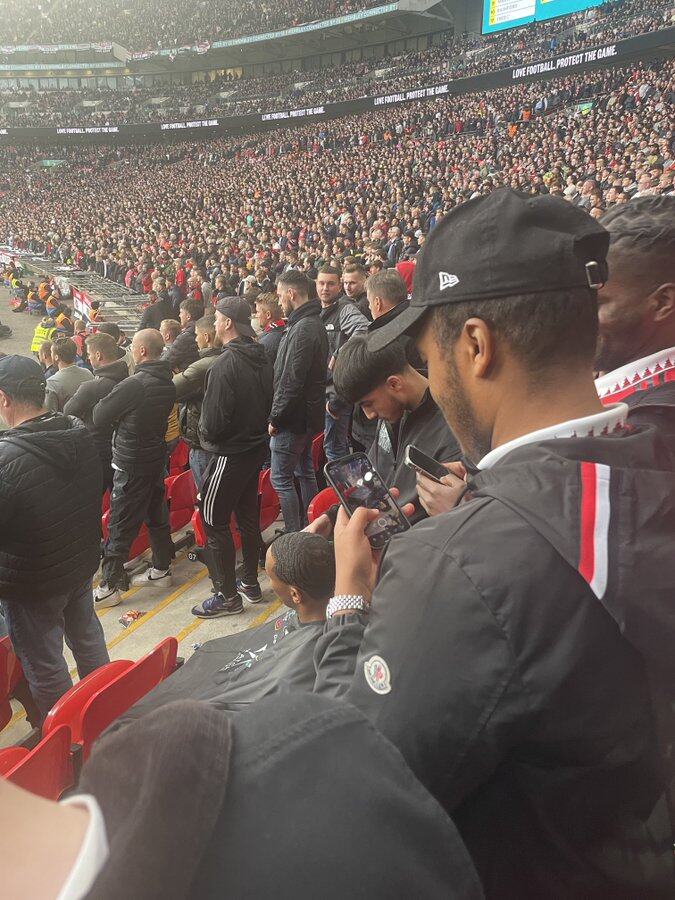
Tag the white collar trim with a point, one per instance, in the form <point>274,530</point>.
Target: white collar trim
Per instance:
<point>93,852</point>
<point>633,373</point>
<point>610,419</point>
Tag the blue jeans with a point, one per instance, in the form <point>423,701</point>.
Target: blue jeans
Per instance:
<point>199,460</point>
<point>37,630</point>
<point>336,434</point>
<point>292,456</point>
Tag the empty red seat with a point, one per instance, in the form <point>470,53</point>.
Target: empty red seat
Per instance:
<point>120,694</point>
<point>181,495</point>
<point>47,770</point>
<point>321,503</point>
<point>179,459</point>
<point>141,542</point>
<point>105,503</point>
<point>318,456</point>
<point>9,757</point>
<point>68,710</point>
<point>11,674</point>
<point>269,502</point>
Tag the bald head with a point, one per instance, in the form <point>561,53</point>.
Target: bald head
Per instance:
<point>147,345</point>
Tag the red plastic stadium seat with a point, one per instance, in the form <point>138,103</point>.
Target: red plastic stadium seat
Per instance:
<point>68,710</point>
<point>105,503</point>
<point>11,674</point>
<point>179,459</point>
<point>48,769</point>
<point>321,503</point>
<point>9,757</point>
<point>141,543</point>
<point>269,502</point>
<point>318,456</point>
<point>181,495</point>
<point>125,690</point>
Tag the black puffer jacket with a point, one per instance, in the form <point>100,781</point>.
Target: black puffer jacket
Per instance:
<point>82,403</point>
<point>300,372</point>
<point>154,315</point>
<point>184,349</point>
<point>50,508</point>
<point>138,409</point>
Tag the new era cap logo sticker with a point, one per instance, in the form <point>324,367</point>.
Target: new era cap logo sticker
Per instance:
<point>377,675</point>
<point>446,280</point>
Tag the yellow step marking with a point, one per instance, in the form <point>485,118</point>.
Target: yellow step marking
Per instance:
<point>259,620</point>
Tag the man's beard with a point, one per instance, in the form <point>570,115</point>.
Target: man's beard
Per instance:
<point>611,353</point>
<point>474,441</point>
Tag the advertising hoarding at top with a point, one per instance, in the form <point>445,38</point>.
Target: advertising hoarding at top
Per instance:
<point>501,14</point>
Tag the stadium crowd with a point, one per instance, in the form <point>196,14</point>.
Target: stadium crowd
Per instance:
<point>469,694</point>
<point>143,25</point>
<point>456,57</point>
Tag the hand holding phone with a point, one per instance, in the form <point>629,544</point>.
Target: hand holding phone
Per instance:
<point>424,464</point>
<point>358,484</point>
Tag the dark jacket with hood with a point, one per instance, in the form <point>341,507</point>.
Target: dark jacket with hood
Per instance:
<point>184,349</point>
<point>300,373</point>
<point>271,338</point>
<point>82,403</point>
<point>190,784</point>
<point>519,632</point>
<point>341,320</point>
<point>234,671</point>
<point>424,428</point>
<point>153,315</point>
<point>138,409</point>
<point>237,399</point>
<point>50,508</point>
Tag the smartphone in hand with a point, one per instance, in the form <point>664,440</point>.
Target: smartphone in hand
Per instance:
<point>357,483</point>
<point>425,465</point>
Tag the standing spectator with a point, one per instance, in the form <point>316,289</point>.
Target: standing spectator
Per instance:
<point>160,308</point>
<point>175,295</point>
<point>108,372</point>
<point>49,474</point>
<point>388,298</point>
<point>342,320</point>
<point>184,349</point>
<point>233,426</point>
<point>298,410</point>
<point>189,386</point>
<point>69,376</point>
<point>272,323</point>
<point>354,284</point>
<point>138,409</point>
<point>169,329</point>
<point>45,359</point>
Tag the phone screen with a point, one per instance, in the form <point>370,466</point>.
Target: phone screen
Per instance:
<point>357,484</point>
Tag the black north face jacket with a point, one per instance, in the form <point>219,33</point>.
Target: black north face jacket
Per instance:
<point>510,655</point>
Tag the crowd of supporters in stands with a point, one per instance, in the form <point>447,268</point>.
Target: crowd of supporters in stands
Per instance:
<point>456,57</point>
<point>141,25</point>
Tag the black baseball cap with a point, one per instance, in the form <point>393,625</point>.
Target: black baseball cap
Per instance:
<point>502,245</point>
<point>240,312</point>
<point>15,371</point>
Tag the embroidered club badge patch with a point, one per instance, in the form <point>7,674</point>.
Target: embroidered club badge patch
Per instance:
<point>377,675</point>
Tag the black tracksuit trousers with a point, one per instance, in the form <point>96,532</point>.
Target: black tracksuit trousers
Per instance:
<point>231,486</point>
<point>136,497</point>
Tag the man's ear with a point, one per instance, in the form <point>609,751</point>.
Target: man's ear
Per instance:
<point>662,301</point>
<point>394,383</point>
<point>477,344</point>
<point>4,399</point>
<point>296,596</point>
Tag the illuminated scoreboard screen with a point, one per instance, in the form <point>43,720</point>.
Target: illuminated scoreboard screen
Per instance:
<point>501,14</point>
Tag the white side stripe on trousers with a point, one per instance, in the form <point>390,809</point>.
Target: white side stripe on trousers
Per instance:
<point>212,490</point>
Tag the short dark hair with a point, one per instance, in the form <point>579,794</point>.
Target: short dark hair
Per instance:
<point>542,329</point>
<point>65,349</point>
<point>194,308</point>
<point>330,270</point>
<point>206,324</point>
<point>645,226</point>
<point>359,370</point>
<point>389,285</point>
<point>110,328</point>
<point>305,561</point>
<point>352,267</point>
<point>295,280</point>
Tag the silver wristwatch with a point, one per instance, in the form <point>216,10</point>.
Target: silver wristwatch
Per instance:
<point>345,602</point>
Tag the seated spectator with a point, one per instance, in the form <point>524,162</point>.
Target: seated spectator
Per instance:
<point>44,331</point>
<point>68,378</point>
<point>64,321</point>
<point>388,389</point>
<point>190,394</point>
<point>108,371</point>
<point>184,350</point>
<point>225,814</point>
<point>79,337</point>
<point>271,321</point>
<point>234,671</point>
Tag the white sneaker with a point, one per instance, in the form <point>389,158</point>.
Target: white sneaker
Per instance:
<point>106,596</point>
<point>153,578</point>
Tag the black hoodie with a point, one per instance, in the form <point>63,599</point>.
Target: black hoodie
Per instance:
<point>82,403</point>
<point>510,655</point>
<point>50,508</point>
<point>237,399</point>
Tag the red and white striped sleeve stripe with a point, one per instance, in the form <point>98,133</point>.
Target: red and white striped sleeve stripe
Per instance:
<point>595,515</point>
